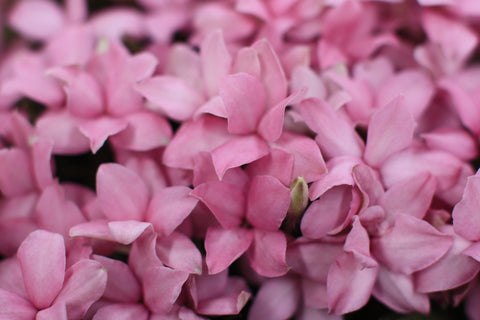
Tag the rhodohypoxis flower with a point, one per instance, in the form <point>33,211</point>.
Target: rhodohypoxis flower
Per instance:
<point>50,288</point>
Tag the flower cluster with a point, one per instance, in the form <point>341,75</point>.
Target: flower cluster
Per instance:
<point>275,159</point>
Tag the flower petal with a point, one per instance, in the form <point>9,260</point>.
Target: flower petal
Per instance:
<point>267,254</point>
<point>98,130</point>
<point>42,260</point>
<point>14,307</point>
<point>179,252</point>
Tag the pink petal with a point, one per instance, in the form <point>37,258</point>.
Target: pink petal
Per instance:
<point>244,99</point>
<point>126,232</point>
<point>184,62</point>
<point>411,245</point>
<point>84,93</point>
<point>97,229</point>
<point>145,131</point>
<point>161,288</point>
<point>14,307</point>
<point>231,301</point>
<point>390,130</point>
<point>455,141</point>
<point>225,246</point>
<point>122,311</point>
<point>276,163</point>
<point>172,96</point>
<point>180,253</point>
<point>237,152</point>
<point>122,285</point>
<point>335,136</point>
<point>19,181</point>
<point>55,213</point>
<point>247,61</point>
<point>369,183</point>
<point>38,20</point>
<point>62,129</point>
<point>439,276</point>
<point>42,167</point>
<point>271,124</point>
<point>98,130</point>
<point>42,259</point>
<point>329,213</point>
<point>267,203</point>
<point>214,106</point>
<point>85,283</point>
<point>308,161</point>
<point>216,62</point>
<point>267,254</point>
<point>117,22</point>
<point>412,196</point>
<point>204,134</point>
<point>416,88</point>
<point>11,278</point>
<point>465,217</point>
<point>169,207</point>
<point>143,255</point>
<point>272,76</point>
<point>277,299</point>
<point>73,46</point>
<point>225,201</point>
<point>397,291</point>
<point>57,311</point>
<point>121,193</point>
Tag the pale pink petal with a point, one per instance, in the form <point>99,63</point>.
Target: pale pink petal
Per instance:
<point>267,254</point>
<point>416,88</point>
<point>305,77</point>
<point>72,46</point>
<point>411,245</point>
<point>62,129</point>
<point>145,131</point>
<point>184,62</point>
<point>271,124</point>
<point>398,292</point>
<point>352,276</point>
<point>122,193</point>
<point>161,287</point>
<point>254,7</point>
<point>38,20</point>
<point>84,93</point>
<point>143,255</point>
<point>329,213</point>
<point>117,22</point>
<point>339,172</point>
<point>216,62</point>
<point>41,164</point>
<point>439,276</point>
<point>308,160</point>
<point>412,196</point>
<point>42,259</point>
<point>334,135</point>
<point>317,314</point>
<point>455,38</point>
<point>313,259</point>
<point>14,307</point>
<point>244,99</point>
<point>85,283</point>
<point>225,246</point>
<point>272,76</point>
<point>97,229</point>
<point>277,299</point>
<point>126,232</point>
<point>409,163</point>
<point>230,301</point>
<point>369,183</point>
<point>13,232</point>
<point>237,152</point>
<point>15,172</point>
<point>204,134</point>
<point>465,217</point>
<point>276,163</point>
<point>315,293</point>
<point>122,311</point>
<point>180,253</point>
<point>224,200</point>
<point>11,278</point>
<point>98,130</point>
<point>247,61</point>
<point>390,130</point>
<point>453,140</point>
<point>57,311</point>
<point>122,285</point>
<point>213,106</point>
<point>169,207</point>
<point>267,203</point>
<point>54,213</point>
<point>171,96</point>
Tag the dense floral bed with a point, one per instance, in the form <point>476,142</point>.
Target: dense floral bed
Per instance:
<point>239,159</point>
